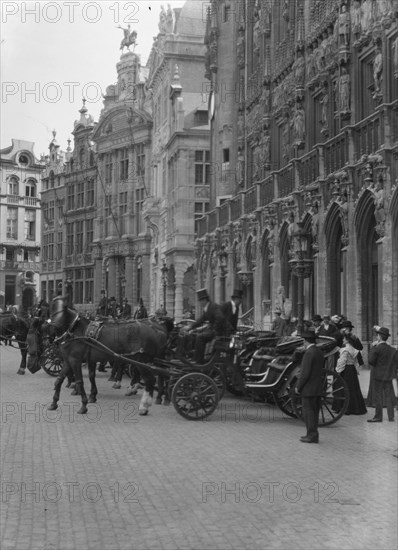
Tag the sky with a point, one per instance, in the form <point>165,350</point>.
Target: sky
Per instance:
<point>54,53</point>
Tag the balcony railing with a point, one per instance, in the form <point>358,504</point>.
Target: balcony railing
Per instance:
<point>336,153</point>
<point>250,200</point>
<point>13,199</point>
<point>367,135</point>
<point>267,191</point>
<point>30,201</point>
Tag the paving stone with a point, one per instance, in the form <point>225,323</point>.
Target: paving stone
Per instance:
<point>115,480</point>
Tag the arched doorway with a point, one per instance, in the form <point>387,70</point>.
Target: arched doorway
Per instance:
<point>394,241</point>
<point>335,261</point>
<point>368,263</point>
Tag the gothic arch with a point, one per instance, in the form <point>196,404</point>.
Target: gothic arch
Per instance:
<point>334,260</point>
<point>370,287</point>
<point>394,241</point>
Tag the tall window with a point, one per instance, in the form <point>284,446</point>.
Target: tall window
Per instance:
<point>69,239</point>
<point>71,197</point>
<point>12,223</point>
<point>122,211</point>
<point>79,236</point>
<point>13,186</point>
<point>59,245</point>
<point>202,167</point>
<point>78,291</point>
<point>50,246</point>
<point>51,180</point>
<point>124,165</point>
<point>89,232</point>
<point>80,195</point>
<point>200,209</point>
<point>30,225</point>
<point>108,168</point>
<point>50,211</point>
<point>90,192</point>
<point>30,188</point>
<point>139,200</point>
<point>140,159</point>
<point>89,285</point>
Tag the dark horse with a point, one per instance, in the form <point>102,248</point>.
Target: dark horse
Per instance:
<point>14,325</point>
<point>82,341</point>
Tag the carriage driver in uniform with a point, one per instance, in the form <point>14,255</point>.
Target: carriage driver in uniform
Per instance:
<point>212,315</point>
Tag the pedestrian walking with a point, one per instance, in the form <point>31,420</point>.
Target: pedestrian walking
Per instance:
<point>383,359</point>
<point>311,386</point>
<point>348,366</point>
<point>279,325</point>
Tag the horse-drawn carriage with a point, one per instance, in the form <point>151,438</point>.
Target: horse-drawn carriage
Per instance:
<point>255,364</point>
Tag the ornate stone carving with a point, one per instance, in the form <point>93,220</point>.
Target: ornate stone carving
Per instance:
<point>343,85</point>
<point>344,26</point>
<point>378,73</point>
<point>299,125</point>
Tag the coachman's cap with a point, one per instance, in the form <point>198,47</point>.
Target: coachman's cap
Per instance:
<point>203,294</point>
<point>383,331</point>
<point>237,293</point>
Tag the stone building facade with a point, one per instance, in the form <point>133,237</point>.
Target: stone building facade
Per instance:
<point>69,209</point>
<point>180,164</point>
<point>20,222</point>
<point>310,134</point>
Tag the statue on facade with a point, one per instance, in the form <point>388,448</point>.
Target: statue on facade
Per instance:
<point>325,111</point>
<point>256,29</point>
<point>299,124</point>
<point>344,91</point>
<point>344,26</point>
<point>162,20</point>
<point>285,141</point>
<point>169,19</point>
<point>240,47</point>
<point>378,71</point>
<point>299,69</point>
<point>395,58</point>
<point>356,17</point>
<point>366,15</point>
<point>129,38</point>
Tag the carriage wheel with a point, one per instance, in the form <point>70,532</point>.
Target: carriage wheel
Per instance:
<point>333,404</point>
<point>283,396</point>
<point>195,396</point>
<point>51,362</point>
<point>218,376</point>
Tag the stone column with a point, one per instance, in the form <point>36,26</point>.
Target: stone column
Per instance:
<point>131,280</point>
<point>112,278</point>
<point>98,281</point>
<point>146,280</point>
<point>178,296</point>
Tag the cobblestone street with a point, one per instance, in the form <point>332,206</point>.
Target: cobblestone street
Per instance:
<point>240,480</point>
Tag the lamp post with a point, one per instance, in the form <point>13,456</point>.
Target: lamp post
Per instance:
<point>165,272</point>
<point>301,266</point>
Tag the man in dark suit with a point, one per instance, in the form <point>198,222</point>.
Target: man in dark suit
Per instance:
<point>311,385</point>
<point>329,329</point>
<point>126,310</point>
<point>383,359</point>
<point>231,311</point>
<point>214,324</point>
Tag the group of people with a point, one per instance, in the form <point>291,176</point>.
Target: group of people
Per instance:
<point>383,360</point>
<point>108,307</point>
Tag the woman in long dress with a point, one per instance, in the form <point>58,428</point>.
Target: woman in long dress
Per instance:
<point>347,365</point>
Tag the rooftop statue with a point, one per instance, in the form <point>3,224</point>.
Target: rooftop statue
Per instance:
<point>129,38</point>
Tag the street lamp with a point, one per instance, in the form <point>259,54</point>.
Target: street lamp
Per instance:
<point>301,266</point>
<point>165,271</point>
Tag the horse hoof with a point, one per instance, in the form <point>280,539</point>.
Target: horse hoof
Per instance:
<point>21,371</point>
<point>144,412</point>
<point>83,410</point>
<point>111,379</point>
<point>74,392</point>
<point>52,407</point>
<point>117,385</point>
<point>130,392</point>
<point>92,400</point>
